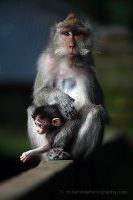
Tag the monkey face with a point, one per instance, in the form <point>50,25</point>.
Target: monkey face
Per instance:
<point>43,126</point>
<point>70,39</point>
<point>71,43</point>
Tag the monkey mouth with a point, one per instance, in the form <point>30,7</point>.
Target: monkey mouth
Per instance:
<point>70,54</point>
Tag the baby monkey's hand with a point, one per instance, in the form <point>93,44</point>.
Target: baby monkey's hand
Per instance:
<point>24,157</point>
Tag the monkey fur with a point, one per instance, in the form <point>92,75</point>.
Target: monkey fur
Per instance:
<point>66,78</point>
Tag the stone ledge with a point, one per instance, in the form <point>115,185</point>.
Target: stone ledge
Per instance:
<point>24,185</point>
<point>67,179</point>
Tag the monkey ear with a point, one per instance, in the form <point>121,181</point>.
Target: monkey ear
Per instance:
<point>56,121</point>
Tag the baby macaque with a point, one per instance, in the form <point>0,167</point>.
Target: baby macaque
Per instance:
<point>48,120</point>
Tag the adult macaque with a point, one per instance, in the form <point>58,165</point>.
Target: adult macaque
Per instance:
<point>66,78</point>
<point>48,120</point>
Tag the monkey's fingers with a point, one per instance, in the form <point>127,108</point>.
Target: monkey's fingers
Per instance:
<point>72,99</point>
<point>73,113</point>
<point>74,110</point>
<point>67,112</point>
<point>23,155</point>
<point>24,159</point>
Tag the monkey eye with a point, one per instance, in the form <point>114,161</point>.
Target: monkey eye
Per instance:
<point>38,124</point>
<point>66,33</point>
<point>77,33</point>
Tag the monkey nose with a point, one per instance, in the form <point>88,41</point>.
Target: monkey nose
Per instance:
<point>72,46</point>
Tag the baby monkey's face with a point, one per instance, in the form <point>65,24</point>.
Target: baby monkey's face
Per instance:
<point>43,125</point>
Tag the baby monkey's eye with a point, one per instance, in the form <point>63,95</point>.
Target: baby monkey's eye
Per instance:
<point>39,125</point>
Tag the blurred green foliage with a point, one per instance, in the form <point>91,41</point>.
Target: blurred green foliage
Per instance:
<point>115,75</point>
<point>14,101</point>
<point>13,142</point>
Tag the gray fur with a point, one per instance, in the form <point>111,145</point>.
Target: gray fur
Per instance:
<point>72,86</point>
